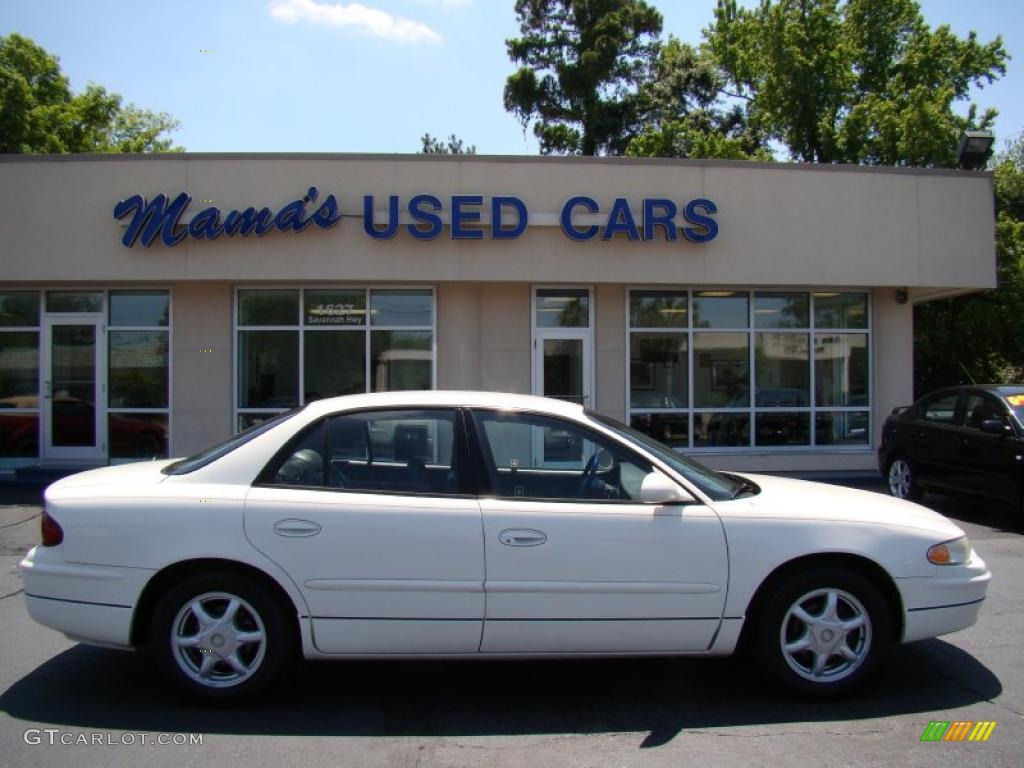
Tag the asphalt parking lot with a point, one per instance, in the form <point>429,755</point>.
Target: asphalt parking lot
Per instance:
<point>671,712</point>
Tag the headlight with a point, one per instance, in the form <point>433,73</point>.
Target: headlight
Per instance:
<point>955,552</point>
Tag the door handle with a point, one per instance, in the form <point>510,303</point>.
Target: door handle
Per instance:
<point>296,528</point>
<point>522,537</point>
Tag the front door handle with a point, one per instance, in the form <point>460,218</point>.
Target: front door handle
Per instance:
<point>296,528</point>
<point>522,537</point>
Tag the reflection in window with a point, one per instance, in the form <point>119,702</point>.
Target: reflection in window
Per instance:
<point>268,307</point>
<point>140,308</point>
<point>563,308</point>
<point>268,375</point>
<point>841,369</point>
<point>657,370</point>
<point>716,430</point>
<point>401,360</point>
<point>783,369</point>
<point>721,370</point>
<point>775,428</point>
<point>19,369</point>
<point>138,369</point>
<point>335,363</point>
<point>74,301</point>
<point>720,309</point>
<point>401,308</point>
<point>725,397</point>
<point>780,310</point>
<point>137,435</point>
<point>19,308</point>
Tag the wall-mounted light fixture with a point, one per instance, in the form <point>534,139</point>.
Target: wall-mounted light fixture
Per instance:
<point>975,148</point>
<point>901,295</point>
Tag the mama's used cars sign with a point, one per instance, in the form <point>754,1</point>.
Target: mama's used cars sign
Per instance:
<point>423,217</point>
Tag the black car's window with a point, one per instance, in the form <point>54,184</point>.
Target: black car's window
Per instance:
<point>940,409</point>
<point>1016,403</point>
<point>981,408</point>
<point>530,456</point>
<point>393,451</point>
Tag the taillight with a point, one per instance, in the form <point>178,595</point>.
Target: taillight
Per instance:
<point>53,534</point>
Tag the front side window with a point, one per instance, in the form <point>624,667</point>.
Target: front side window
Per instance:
<point>940,409</point>
<point>298,345</point>
<point>531,456</point>
<point>736,369</point>
<point>399,451</point>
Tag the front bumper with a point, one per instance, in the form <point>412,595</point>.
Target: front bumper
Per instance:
<point>89,603</point>
<point>946,602</point>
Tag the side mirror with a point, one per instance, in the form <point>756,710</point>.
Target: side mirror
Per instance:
<point>996,427</point>
<point>658,489</point>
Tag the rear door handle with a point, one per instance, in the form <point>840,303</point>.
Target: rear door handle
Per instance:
<point>296,528</point>
<point>522,537</point>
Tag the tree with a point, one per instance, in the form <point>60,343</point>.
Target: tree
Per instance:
<point>580,66</point>
<point>683,114</point>
<point>981,336</point>
<point>854,81</point>
<point>453,146</point>
<point>39,113</point>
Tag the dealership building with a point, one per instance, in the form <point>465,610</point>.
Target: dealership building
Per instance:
<point>758,316</point>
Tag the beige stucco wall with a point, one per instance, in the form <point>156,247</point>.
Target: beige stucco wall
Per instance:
<point>202,359</point>
<point>780,224</point>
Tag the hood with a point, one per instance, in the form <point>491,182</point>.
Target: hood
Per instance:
<point>784,497</point>
<point>119,476</point>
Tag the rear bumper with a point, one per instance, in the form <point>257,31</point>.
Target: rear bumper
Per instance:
<point>946,602</point>
<point>89,603</point>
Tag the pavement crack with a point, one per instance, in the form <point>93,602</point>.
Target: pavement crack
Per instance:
<point>11,525</point>
<point>12,594</point>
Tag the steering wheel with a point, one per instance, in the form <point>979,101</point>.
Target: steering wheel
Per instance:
<point>589,474</point>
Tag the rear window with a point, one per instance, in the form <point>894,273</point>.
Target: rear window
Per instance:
<point>210,455</point>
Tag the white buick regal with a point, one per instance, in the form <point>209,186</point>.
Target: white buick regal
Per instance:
<point>482,525</point>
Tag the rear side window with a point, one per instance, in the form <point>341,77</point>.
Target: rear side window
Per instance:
<point>395,451</point>
<point>940,410</point>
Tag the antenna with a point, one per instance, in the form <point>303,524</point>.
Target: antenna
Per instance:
<point>966,371</point>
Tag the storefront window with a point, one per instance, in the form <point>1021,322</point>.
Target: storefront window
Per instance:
<point>19,374</point>
<point>749,370</point>
<point>138,374</point>
<point>343,341</point>
<point>74,301</point>
<point>563,308</point>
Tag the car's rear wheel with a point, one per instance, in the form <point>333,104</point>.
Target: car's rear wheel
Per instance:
<point>902,480</point>
<point>221,636</point>
<point>820,633</point>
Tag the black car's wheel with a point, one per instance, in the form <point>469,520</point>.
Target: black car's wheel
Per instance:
<point>220,636</point>
<point>820,633</point>
<point>902,479</point>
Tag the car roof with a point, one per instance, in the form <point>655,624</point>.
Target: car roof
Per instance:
<point>1003,390</point>
<point>445,398</point>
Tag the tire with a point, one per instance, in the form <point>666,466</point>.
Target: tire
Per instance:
<point>203,655</point>
<point>901,478</point>
<point>820,634</point>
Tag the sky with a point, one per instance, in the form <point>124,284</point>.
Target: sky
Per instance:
<point>367,76</point>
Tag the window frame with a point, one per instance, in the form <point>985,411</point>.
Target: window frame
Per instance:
<point>752,410</point>
<point>468,472</point>
<point>301,328</point>
<point>484,458</point>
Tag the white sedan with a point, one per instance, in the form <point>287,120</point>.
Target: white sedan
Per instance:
<point>483,525</point>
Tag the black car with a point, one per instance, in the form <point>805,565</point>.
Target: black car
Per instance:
<point>967,439</point>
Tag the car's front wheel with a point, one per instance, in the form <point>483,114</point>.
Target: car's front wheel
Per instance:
<point>220,636</point>
<point>820,633</point>
<point>903,480</point>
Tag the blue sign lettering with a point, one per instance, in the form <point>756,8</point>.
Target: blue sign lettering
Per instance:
<point>163,218</point>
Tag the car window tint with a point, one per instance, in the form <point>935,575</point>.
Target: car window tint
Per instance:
<point>539,457</point>
<point>406,451</point>
<point>940,410</point>
<point>981,408</point>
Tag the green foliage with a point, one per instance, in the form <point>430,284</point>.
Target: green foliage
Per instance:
<point>857,81</point>
<point>453,146</point>
<point>981,336</point>
<point>581,63</point>
<point>683,115</point>
<point>39,113</point>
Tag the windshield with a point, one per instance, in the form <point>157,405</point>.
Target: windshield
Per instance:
<point>201,459</point>
<point>717,485</point>
<point>1016,403</point>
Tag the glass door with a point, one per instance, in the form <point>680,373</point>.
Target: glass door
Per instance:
<point>74,389</point>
